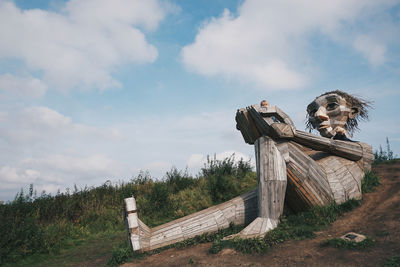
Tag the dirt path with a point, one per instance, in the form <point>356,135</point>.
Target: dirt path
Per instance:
<point>378,217</point>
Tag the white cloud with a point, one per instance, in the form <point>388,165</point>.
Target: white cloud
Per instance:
<point>373,50</point>
<point>14,175</point>
<point>196,161</point>
<point>57,171</point>
<point>43,146</point>
<point>80,46</point>
<point>21,86</point>
<point>40,125</point>
<point>266,43</point>
<point>89,166</point>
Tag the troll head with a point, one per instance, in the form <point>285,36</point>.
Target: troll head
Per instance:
<point>336,112</point>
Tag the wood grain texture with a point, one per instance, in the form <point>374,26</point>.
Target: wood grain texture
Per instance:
<point>271,173</point>
<point>246,125</point>
<point>349,150</point>
<point>307,181</point>
<point>240,210</point>
<point>344,176</point>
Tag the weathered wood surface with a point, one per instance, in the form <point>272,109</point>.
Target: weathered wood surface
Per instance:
<point>368,156</point>
<point>257,228</point>
<point>132,222</point>
<point>307,182</point>
<point>271,173</point>
<point>346,149</point>
<point>319,178</point>
<point>246,126</point>
<point>240,210</point>
<point>255,121</point>
<point>344,177</point>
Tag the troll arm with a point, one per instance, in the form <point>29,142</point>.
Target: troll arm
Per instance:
<point>255,121</point>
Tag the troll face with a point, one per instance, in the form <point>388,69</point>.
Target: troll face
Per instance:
<point>331,112</point>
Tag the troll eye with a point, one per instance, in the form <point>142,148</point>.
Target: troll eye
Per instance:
<point>332,106</point>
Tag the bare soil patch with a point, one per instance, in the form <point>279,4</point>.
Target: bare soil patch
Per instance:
<point>378,217</point>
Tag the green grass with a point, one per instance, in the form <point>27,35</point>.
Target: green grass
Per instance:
<point>298,226</point>
<point>369,182</point>
<point>122,252</point>
<point>292,226</point>
<point>344,244</point>
<point>393,262</point>
<point>35,227</point>
<point>94,248</point>
<point>42,228</point>
<point>295,226</point>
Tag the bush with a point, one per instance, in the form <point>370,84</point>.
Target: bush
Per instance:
<point>20,236</point>
<point>177,180</point>
<point>227,179</point>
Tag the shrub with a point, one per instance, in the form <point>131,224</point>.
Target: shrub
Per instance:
<point>227,179</point>
<point>177,180</point>
<point>21,234</point>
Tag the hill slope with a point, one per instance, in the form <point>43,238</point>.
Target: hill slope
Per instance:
<point>378,217</point>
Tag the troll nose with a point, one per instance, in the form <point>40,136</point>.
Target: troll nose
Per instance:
<point>321,114</point>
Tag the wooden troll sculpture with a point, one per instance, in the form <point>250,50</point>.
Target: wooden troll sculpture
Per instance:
<point>295,168</point>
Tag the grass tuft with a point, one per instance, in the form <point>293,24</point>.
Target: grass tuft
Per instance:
<point>344,244</point>
<point>369,182</point>
<point>120,254</point>
<point>295,226</point>
<point>393,261</point>
<point>123,253</point>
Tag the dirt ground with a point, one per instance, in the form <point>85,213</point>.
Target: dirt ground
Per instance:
<point>378,217</point>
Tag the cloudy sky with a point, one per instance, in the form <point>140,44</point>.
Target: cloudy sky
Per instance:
<point>96,90</point>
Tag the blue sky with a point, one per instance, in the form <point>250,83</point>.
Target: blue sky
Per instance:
<point>96,90</point>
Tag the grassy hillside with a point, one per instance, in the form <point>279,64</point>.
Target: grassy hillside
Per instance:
<point>32,227</point>
<point>65,228</point>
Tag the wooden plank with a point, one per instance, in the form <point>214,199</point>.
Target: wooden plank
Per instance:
<point>350,150</point>
<point>237,210</point>
<point>245,126</point>
<point>259,122</point>
<point>311,173</point>
<point>297,197</point>
<point>271,172</point>
<point>220,219</point>
<point>283,130</point>
<point>368,156</point>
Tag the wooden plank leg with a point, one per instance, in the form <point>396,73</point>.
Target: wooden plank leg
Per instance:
<point>271,174</point>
